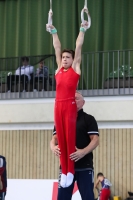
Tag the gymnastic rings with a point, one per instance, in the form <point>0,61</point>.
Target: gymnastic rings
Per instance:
<point>50,21</point>
<point>85,10</point>
<point>50,14</point>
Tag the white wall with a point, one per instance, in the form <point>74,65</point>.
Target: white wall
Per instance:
<point>117,111</point>
<point>20,189</point>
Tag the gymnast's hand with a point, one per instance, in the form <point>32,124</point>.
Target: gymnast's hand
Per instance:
<point>77,155</point>
<point>85,24</point>
<point>49,26</point>
<point>56,150</point>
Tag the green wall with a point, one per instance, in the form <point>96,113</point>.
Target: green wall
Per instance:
<point>22,25</point>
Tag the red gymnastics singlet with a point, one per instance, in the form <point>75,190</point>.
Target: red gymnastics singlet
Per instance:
<point>66,115</point>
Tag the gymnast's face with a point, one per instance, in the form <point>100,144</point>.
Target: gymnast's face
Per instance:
<point>67,60</point>
<point>79,101</point>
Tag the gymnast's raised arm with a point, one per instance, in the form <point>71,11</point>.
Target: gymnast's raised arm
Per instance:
<point>56,44</point>
<point>57,47</point>
<point>79,44</point>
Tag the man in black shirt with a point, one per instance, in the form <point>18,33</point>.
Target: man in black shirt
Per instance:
<point>87,139</point>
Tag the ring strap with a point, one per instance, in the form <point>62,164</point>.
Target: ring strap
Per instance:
<point>85,10</point>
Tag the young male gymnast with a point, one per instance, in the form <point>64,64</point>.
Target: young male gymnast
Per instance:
<point>67,76</point>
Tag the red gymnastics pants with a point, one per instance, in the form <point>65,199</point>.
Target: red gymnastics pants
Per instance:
<point>65,123</point>
<point>105,194</point>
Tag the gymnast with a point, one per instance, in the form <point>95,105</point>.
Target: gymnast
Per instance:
<point>65,112</point>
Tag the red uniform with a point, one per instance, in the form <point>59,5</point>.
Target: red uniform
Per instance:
<point>65,116</point>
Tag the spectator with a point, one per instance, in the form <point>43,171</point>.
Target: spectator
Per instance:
<point>104,193</point>
<point>3,177</point>
<point>41,75</point>
<point>22,74</point>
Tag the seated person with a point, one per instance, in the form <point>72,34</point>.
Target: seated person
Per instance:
<point>104,193</point>
<point>41,75</point>
<point>23,73</point>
